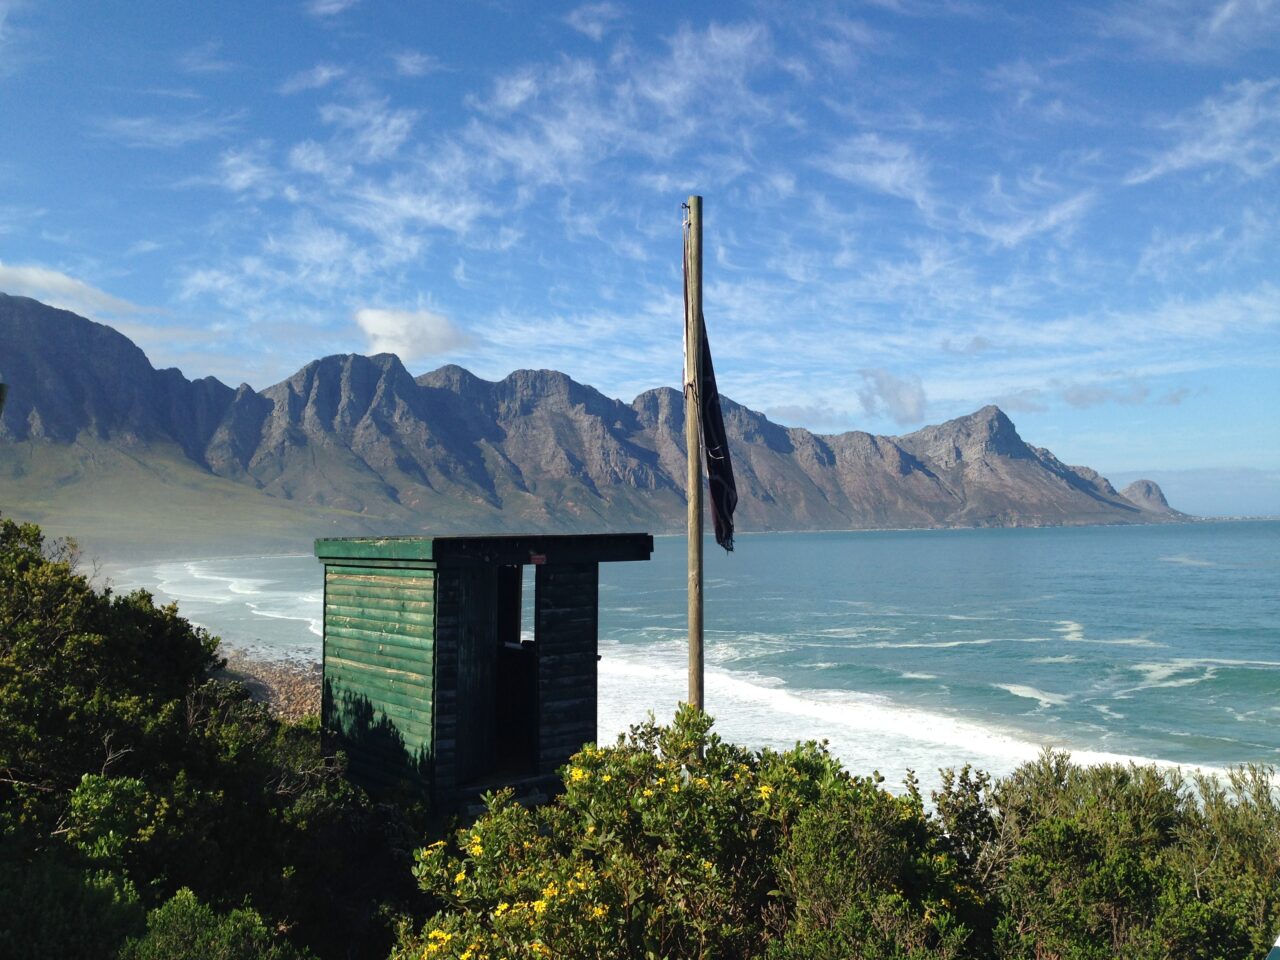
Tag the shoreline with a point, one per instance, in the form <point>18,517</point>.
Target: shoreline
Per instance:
<point>289,688</point>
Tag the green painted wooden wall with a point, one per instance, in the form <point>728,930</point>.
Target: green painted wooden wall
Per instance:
<point>379,668</point>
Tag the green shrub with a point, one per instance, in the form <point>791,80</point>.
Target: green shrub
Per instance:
<point>675,844</point>
<point>121,758</point>
<point>50,907</point>
<point>184,928</point>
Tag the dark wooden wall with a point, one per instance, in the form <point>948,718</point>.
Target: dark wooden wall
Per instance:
<point>565,630</point>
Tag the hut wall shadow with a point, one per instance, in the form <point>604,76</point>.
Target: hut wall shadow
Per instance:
<point>378,756</point>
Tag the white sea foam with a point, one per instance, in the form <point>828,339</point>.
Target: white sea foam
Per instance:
<point>1185,561</point>
<point>1031,693</point>
<point>315,625</point>
<point>1071,631</point>
<point>865,731</point>
<point>944,644</point>
<point>1168,673</point>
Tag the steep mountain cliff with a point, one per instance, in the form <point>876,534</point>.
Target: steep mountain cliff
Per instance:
<point>355,442</point>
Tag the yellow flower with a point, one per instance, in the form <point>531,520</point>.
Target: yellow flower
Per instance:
<point>539,907</point>
<point>708,866</point>
<point>646,792</point>
<point>437,940</point>
<point>675,788</point>
<point>460,876</point>
<point>540,948</point>
<point>503,907</point>
<point>599,910</point>
<point>606,778</point>
<point>765,790</point>
<point>577,774</point>
<point>702,782</point>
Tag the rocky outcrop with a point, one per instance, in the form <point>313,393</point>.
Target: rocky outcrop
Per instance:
<point>1147,496</point>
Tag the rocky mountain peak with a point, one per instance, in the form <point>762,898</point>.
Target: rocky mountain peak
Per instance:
<point>983,433</point>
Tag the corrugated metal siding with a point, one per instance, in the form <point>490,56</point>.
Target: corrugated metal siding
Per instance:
<point>379,650</point>
<point>566,622</point>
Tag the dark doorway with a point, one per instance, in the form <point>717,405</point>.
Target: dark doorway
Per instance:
<point>515,693</point>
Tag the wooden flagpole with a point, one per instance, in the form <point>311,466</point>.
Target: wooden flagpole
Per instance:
<point>693,438</point>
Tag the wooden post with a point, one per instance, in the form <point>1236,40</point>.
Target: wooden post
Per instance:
<point>693,439</point>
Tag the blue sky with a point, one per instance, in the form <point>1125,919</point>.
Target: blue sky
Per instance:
<point>913,207</point>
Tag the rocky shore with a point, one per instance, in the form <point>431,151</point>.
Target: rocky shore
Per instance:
<point>291,689</point>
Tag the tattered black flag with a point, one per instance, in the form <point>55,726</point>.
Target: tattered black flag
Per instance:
<point>724,492</point>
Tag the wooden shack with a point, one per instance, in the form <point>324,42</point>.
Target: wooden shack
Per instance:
<point>432,681</point>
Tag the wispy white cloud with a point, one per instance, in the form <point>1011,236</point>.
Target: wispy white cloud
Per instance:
<point>1056,216</point>
<point>13,39</point>
<point>246,169</point>
<point>594,20</point>
<point>820,417</point>
<point>321,75</point>
<point>886,166</point>
<point>902,398</point>
<point>205,58</point>
<point>1195,31</point>
<point>1240,129</point>
<point>415,63</point>
<point>410,334</point>
<point>168,133</point>
<point>1083,395</point>
<point>60,290</point>
<point>328,8</point>
<point>373,129</point>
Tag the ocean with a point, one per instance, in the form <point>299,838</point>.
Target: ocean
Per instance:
<point>905,650</point>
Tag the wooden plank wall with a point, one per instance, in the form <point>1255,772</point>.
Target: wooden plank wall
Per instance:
<point>449,615</point>
<point>379,632</point>
<point>566,633</point>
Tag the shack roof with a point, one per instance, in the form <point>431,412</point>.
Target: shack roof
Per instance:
<point>497,550</point>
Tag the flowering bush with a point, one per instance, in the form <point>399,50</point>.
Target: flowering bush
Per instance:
<point>673,843</point>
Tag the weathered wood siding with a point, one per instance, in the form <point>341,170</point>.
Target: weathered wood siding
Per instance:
<point>379,670</point>
<point>477,662</point>
<point>566,620</point>
<point>449,614</point>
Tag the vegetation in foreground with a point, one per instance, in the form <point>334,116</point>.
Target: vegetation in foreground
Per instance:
<point>148,812</point>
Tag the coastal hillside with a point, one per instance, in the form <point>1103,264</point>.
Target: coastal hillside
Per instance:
<point>93,434</point>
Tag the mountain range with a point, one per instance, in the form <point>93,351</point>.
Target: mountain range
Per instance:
<point>92,432</point>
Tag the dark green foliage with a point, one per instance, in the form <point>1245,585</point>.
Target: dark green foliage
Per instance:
<point>53,906</point>
<point>126,774</point>
<point>1120,861</point>
<point>185,928</point>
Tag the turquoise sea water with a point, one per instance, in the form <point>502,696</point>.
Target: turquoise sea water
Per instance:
<point>906,650</point>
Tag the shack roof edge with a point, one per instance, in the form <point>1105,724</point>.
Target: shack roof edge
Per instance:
<point>503,550</point>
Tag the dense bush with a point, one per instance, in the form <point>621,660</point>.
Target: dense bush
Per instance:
<point>127,774</point>
<point>185,928</point>
<point>674,844</point>
<point>148,812</point>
